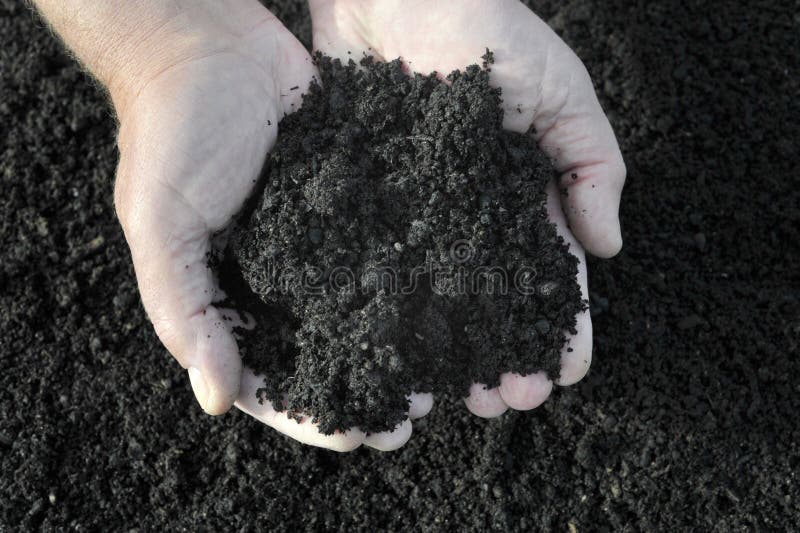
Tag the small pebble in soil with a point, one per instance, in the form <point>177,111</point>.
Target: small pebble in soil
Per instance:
<point>315,235</point>
<point>547,288</point>
<point>700,241</point>
<point>542,326</point>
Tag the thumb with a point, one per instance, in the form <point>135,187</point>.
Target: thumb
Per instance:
<point>575,132</point>
<point>169,245</point>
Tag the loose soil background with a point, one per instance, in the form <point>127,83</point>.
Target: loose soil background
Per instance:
<point>688,417</point>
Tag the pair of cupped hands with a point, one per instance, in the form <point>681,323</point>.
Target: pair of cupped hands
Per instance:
<point>196,125</point>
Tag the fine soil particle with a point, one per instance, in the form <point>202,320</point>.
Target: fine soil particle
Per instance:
<point>402,235</point>
<point>672,430</point>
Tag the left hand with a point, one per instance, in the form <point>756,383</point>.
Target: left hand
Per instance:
<point>545,86</point>
<point>192,141</point>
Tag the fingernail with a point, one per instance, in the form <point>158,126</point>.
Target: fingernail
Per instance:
<point>199,385</point>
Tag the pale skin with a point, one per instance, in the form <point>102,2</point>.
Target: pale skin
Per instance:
<point>199,87</point>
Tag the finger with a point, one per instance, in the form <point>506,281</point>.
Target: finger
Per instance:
<point>485,403</point>
<point>214,364</point>
<point>169,246</point>
<point>420,404</point>
<point>303,431</point>
<point>573,129</point>
<point>387,441</point>
<point>576,354</point>
<point>525,392</point>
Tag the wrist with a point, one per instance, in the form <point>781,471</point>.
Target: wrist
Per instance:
<point>200,29</point>
<point>132,63</point>
<point>126,44</point>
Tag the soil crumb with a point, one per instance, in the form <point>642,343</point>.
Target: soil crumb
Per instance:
<point>400,243</point>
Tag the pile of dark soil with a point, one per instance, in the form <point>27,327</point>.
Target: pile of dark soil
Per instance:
<point>405,234</point>
<point>687,420</point>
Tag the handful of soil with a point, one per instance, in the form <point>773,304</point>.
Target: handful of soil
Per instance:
<point>401,243</point>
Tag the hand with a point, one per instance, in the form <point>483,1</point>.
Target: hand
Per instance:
<point>544,85</point>
<point>192,139</point>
